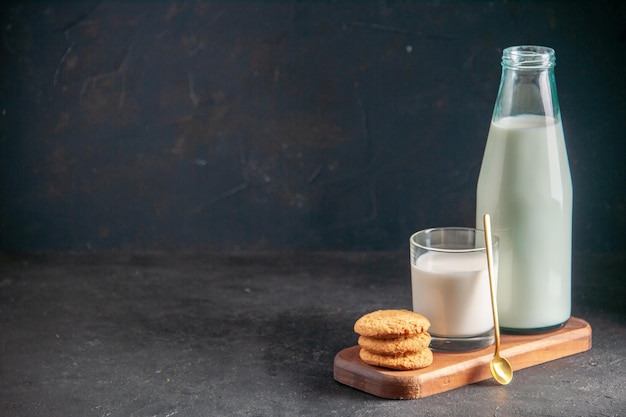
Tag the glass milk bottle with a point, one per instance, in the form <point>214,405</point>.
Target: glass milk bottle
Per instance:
<point>526,187</point>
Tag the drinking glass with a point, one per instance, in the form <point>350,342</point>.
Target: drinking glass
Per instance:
<point>450,286</point>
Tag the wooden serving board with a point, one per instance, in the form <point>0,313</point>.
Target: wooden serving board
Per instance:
<point>454,370</point>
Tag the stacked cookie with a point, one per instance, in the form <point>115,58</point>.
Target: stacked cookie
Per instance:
<point>395,339</point>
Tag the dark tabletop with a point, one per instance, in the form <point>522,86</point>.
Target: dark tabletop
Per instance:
<point>154,334</point>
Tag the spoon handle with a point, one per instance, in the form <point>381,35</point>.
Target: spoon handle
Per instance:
<point>494,306</point>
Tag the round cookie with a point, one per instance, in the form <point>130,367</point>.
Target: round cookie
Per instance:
<point>396,345</point>
<point>415,360</point>
<point>384,324</point>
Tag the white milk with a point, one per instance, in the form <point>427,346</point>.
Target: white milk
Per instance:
<point>525,186</point>
<point>452,291</point>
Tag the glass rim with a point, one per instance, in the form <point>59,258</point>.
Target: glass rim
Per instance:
<point>494,239</point>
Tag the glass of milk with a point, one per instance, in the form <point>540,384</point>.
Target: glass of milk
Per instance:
<point>450,286</point>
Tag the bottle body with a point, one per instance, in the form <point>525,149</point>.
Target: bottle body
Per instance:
<point>525,185</point>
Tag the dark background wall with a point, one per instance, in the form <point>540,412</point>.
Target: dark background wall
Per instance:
<point>308,125</point>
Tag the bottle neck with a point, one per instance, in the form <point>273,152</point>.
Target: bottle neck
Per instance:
<point>527,86</point>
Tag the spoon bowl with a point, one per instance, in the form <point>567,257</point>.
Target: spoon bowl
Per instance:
<point>500,367</point>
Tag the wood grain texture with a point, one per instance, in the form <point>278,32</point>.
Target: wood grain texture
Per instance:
<point>454,370</point>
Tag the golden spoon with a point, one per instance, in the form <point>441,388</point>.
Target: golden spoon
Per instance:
<point>500,367</point>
